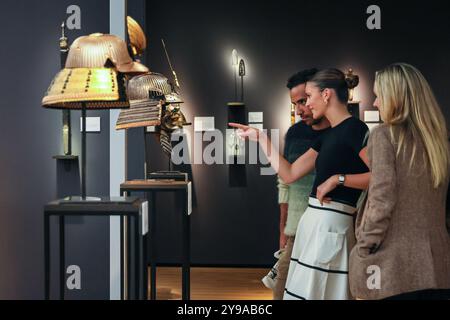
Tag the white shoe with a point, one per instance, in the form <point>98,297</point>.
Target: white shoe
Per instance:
<point>271,278</point>
<point>268,282</point>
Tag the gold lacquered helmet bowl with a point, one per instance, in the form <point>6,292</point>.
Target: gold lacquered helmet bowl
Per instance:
<point>99,50</point>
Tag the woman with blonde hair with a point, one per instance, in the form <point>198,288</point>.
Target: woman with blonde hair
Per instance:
<point>403,248</point>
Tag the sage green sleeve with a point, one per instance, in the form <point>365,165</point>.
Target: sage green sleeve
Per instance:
<point>283,191</point>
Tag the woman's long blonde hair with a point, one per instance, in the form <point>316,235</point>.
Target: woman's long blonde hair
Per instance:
<point>409,106</point>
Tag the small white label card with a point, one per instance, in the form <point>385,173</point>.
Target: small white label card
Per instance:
<point>189,198</point>
<point>258,126</point>
<point>204,124</point>
<point>144,218</point>
<point>371,116</point>
<point>92,124</point>
<point>255,117</point>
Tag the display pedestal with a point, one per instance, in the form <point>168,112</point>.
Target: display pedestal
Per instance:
<point>353,108</point>
<point>152,188</point>
<point>236,112</point>
<point>134,215</point>
<point>67,176</point>
<point>168,175</point>
<point>237,172</point>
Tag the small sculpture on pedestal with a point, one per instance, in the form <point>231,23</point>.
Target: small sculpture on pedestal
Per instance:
<point>352,82</point>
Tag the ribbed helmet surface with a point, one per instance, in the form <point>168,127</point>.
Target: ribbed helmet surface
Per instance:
<point>99,50</point>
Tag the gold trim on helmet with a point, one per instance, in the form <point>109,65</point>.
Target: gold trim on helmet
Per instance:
<point>99,88</point>
<point>137,36</point>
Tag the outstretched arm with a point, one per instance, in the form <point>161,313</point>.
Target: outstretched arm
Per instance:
<point>289,173</point>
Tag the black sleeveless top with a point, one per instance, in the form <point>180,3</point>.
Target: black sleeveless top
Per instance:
<point>338,150</point>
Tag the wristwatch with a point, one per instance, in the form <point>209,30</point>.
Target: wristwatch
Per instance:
<point>341,179</point>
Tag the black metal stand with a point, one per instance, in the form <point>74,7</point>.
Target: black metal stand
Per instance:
<point>235,84</point>
<point>83,152</point>
<point>145,154</point>
<point>353,108</point>
<point>151,188</point>
<point>170,164</point>
<point>126,208</point>
<point>242,88</point>
<point>67,127</point>
<point>62,256</point>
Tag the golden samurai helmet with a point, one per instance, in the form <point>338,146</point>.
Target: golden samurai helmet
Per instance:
<point>94,75</point>
<point>156,90</point>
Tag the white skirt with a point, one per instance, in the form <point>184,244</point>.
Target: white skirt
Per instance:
<point>319,263</point>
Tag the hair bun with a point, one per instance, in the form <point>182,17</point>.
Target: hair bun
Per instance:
<point>334,79</point>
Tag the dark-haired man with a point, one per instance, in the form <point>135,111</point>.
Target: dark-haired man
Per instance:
<point>293,198</point>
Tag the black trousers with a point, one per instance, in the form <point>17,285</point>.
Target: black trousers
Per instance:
<point>430,294</point>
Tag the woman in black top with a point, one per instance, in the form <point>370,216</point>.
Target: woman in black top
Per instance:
<point>325,234</point>
<point>339,153</point>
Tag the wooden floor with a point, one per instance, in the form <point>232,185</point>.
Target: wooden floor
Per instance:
<point>214,284</point>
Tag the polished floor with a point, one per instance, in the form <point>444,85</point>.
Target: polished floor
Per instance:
<point>214,284</point>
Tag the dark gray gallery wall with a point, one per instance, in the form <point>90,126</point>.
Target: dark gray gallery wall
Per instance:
<point>30,136</point>
<point>276,38</point>
<point>135,136</point>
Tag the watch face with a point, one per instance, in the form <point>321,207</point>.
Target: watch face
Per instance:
<point>341,179</point>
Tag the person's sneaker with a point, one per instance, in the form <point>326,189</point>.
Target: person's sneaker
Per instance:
<point>270,279</point>
<point>268,282</point>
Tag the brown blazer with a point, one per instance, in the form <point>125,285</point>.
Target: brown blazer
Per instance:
<point>402,228</point>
